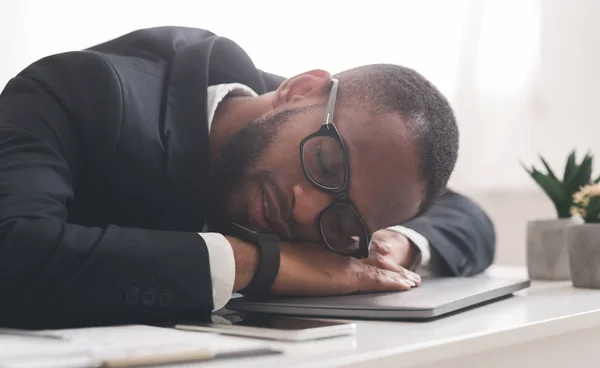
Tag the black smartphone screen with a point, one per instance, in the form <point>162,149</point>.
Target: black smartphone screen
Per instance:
<point>271,321</point>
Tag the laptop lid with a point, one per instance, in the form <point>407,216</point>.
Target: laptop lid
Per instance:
<point>433,298</point>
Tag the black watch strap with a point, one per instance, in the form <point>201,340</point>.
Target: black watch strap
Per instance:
<point>268,261</point>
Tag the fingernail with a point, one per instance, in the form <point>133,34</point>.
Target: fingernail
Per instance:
<point>414,277</point>
<point>407,282</point>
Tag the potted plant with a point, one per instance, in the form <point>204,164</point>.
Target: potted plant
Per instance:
<point>584,239</point>
<point>547,252</point>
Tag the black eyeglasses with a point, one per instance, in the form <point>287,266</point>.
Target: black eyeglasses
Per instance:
<point>325,164</point>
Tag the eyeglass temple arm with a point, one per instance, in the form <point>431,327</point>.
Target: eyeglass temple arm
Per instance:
<point>331,103</point>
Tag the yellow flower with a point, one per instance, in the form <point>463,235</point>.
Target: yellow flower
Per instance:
<point>578,211</point>
<point>581,199</point>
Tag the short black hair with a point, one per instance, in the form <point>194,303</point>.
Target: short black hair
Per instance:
<point>382,88</point>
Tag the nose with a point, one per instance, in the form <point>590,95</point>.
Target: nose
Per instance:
<point>309,202</point>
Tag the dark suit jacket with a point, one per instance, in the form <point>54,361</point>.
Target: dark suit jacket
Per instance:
<point>103,161</point>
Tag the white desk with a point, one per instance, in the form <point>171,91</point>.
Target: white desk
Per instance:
<point>551,324</point>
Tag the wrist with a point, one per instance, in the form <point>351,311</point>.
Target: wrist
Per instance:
<point>413,257</point>
<point>246,261</point>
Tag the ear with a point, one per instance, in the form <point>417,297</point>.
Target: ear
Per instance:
<point>308,84</point>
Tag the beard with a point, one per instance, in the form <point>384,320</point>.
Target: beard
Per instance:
<point>237,164</point>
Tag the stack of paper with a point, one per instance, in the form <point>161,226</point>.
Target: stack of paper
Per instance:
<point>92,347</point>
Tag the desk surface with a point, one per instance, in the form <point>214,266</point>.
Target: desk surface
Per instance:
<point>546,309</point>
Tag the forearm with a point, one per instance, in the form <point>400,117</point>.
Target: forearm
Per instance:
<point>73,274</point>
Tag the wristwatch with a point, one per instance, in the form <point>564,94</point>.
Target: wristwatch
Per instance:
<point>268,261</point>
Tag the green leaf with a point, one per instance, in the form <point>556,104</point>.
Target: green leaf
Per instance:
<point>593,210</point>
<point>576,175</point>
<point>550,172</point>
<point>552,188</point>
<point>597,180</point>
<point>569,168</point>
<point>526,168</point>
<point>582,176</point>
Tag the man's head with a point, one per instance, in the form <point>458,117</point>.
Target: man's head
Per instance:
<point>400,137</point>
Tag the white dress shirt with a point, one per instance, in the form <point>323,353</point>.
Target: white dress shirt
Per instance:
<point>220,253</point>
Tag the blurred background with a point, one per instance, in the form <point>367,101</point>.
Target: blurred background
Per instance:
<point>521,74</point>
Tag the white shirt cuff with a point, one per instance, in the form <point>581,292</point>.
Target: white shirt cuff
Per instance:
<point>222,267</point>
<point>417,239</point>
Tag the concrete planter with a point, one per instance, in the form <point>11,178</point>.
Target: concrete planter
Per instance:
<point>547,251</point>
<point>584,255</point>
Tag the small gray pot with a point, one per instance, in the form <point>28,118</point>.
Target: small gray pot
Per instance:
<point>584,255</point>
<point>547,251</point>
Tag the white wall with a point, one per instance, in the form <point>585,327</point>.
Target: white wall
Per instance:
<point>569,79</point>
<point>12,38</point>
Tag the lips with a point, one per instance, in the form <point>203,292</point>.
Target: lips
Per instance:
<point>275,210</point>
<point>257,210</point>
<point>265,212</point>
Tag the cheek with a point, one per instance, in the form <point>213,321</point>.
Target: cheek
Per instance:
<point>282,158</point>
<point>284,161</point>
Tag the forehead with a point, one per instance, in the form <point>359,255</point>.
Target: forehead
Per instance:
<point>385,184</point>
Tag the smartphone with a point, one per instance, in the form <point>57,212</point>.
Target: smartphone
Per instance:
<point>272,327</point>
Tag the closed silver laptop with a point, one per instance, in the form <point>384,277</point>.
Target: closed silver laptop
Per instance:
<point>433,298</point>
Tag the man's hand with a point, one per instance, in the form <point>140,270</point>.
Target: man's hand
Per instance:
<point>391,250</point>
<point>311,270</point>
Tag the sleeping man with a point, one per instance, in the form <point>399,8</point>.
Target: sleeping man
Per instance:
<point>149,177</point>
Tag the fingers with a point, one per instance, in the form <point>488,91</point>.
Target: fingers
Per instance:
<point>386,264</point>
<point>378,279</point>
<point>383,280</point>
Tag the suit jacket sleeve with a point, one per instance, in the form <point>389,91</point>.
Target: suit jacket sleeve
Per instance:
<point>57,273</point>
<point>460,234</point>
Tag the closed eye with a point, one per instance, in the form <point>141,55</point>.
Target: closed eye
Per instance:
<point>339,225</point>
<point>321,162</point>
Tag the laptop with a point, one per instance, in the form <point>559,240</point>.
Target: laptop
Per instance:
<point>435,297</point>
